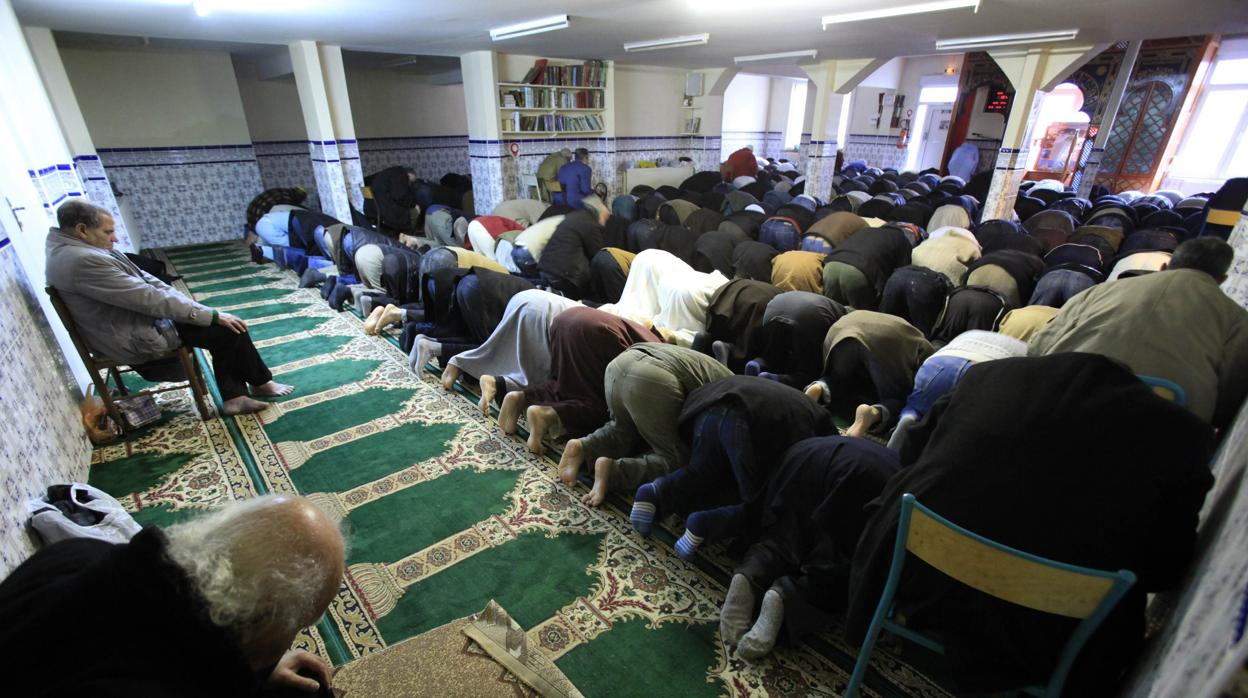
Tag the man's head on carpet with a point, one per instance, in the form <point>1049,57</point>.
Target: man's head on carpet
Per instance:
<point>265,567</point>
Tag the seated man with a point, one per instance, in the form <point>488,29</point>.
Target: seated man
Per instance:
<point>1175,324</point>
<point>1067,457</point>
<point>132,317</point>
<point>218,601</point>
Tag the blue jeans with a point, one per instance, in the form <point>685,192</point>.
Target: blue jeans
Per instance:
<point>936,378</point>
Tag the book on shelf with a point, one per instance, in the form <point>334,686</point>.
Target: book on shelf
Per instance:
<point>588,74</point>
<point>526,98</point>
<point>542,123</point>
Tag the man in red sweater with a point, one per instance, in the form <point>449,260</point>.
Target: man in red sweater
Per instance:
<point>742,163</point>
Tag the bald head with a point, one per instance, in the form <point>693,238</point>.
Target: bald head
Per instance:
<point>264,567</point>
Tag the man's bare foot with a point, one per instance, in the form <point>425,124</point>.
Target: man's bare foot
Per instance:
<point>814,391</point>
<point>489,390</point>
<point>243,405</point>
<point>602,473</point>
<point>541,419</point>
<point>370,323</point>
<point>513,404</point>
<point>390,315</point>
<point>449,375</point>
<point>272,389</point>
<point>865,417</point>
<point>570,461</point>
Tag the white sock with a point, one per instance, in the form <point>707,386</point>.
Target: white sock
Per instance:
<point>759,642</point>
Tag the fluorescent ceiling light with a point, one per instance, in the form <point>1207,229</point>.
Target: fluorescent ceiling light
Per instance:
<point>1007,39</point>
<point>672,42</point>
<point>912,9</point>
<point>537,26</point>
<point>768,57</point>
<point>203,8</point>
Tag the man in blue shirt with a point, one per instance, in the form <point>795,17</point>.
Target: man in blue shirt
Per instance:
<point>574,179</point>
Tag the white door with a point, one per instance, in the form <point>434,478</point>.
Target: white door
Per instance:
<point>934,136</point>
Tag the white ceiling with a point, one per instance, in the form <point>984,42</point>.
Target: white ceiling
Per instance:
<point>600,27</point>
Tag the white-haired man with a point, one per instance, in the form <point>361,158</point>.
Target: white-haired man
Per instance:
<point>208,607</point>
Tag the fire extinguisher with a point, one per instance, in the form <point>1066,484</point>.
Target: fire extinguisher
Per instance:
<point>902,138</point>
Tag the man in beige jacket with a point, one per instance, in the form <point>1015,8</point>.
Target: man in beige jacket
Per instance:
<point>130,316</point>
<point>1175,324</point>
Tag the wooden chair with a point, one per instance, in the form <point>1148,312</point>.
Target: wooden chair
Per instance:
<point>1165,388</point>
<point>998,570</point>
<point>101,367</point>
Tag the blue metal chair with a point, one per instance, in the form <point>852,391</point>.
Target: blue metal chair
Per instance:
<point>1165,388</point>
<point>1001,571</point>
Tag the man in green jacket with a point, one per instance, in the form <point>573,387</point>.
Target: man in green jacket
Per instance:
<point>646,388</point>
<point>548,171</point>
<point>1175,324</point>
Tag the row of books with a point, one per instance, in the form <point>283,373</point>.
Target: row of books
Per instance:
<point>518,122</point>
<point>530,98</point>
<point>588,74</point>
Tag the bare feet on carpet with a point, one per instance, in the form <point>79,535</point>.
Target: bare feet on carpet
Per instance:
<point>272,389</point>
<point>449,375</point>
<point>570,461</point>
<point>865,417</point>
<point>489,389</point>
<point>602,473</point>
<point>425,350</point>
<point>243,404</point>
<point>541,419</point>
<point>390,315</point>
<point>814,391</point>
<point>509,414</point>
<point>370,323</point>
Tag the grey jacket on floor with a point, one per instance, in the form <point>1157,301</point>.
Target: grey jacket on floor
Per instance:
<point>121,311</point>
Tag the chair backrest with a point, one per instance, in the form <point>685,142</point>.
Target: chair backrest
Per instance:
<point>553,186</point>
<point>1015,576</point>
<point>1165,388</point>
<point>62,312</point>
<point>367,191</point>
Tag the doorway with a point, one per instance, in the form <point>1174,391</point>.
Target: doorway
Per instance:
<point>931,127</point>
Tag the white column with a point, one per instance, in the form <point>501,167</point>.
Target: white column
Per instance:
<point>74,128</point>
<point>832,82</point>
<point>494,171</point>
<point>705,147</point>
<point>1087,173</point>
<point>322,145</point>
<point>1033,72</point>
<point>344,125</point>
<point>36,170</point>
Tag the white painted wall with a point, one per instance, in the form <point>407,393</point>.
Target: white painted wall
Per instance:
<point>778,93</point>
<point>648,101</point>
<point>746,103</point>
<point>157,98</point>
<point>394,104</point>
<point>886,76</point>
<point>900,76</point>
<point>271,106</point>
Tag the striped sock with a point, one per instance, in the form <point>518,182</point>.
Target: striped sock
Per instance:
<point>695,535</point>
<point>644,509</point>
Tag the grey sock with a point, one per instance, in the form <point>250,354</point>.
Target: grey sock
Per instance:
<point>759,642</point>
<point>734,617</point>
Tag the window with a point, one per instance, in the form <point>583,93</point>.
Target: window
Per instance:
<point>797,116</point>
<point>940,94</point>
<point>1214,146</point>
<point>1058,131</point>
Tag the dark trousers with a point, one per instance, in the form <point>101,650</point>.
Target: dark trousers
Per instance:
<point>721,479</point>
<point>235,360</point>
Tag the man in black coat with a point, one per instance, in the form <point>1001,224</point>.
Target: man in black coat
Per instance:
<point>394,194</point>
<point>1069,457</point>
<point>565,260</point>
<point>208,608</point>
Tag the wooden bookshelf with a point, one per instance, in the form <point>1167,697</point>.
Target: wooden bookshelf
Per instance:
<point>544,110</point>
